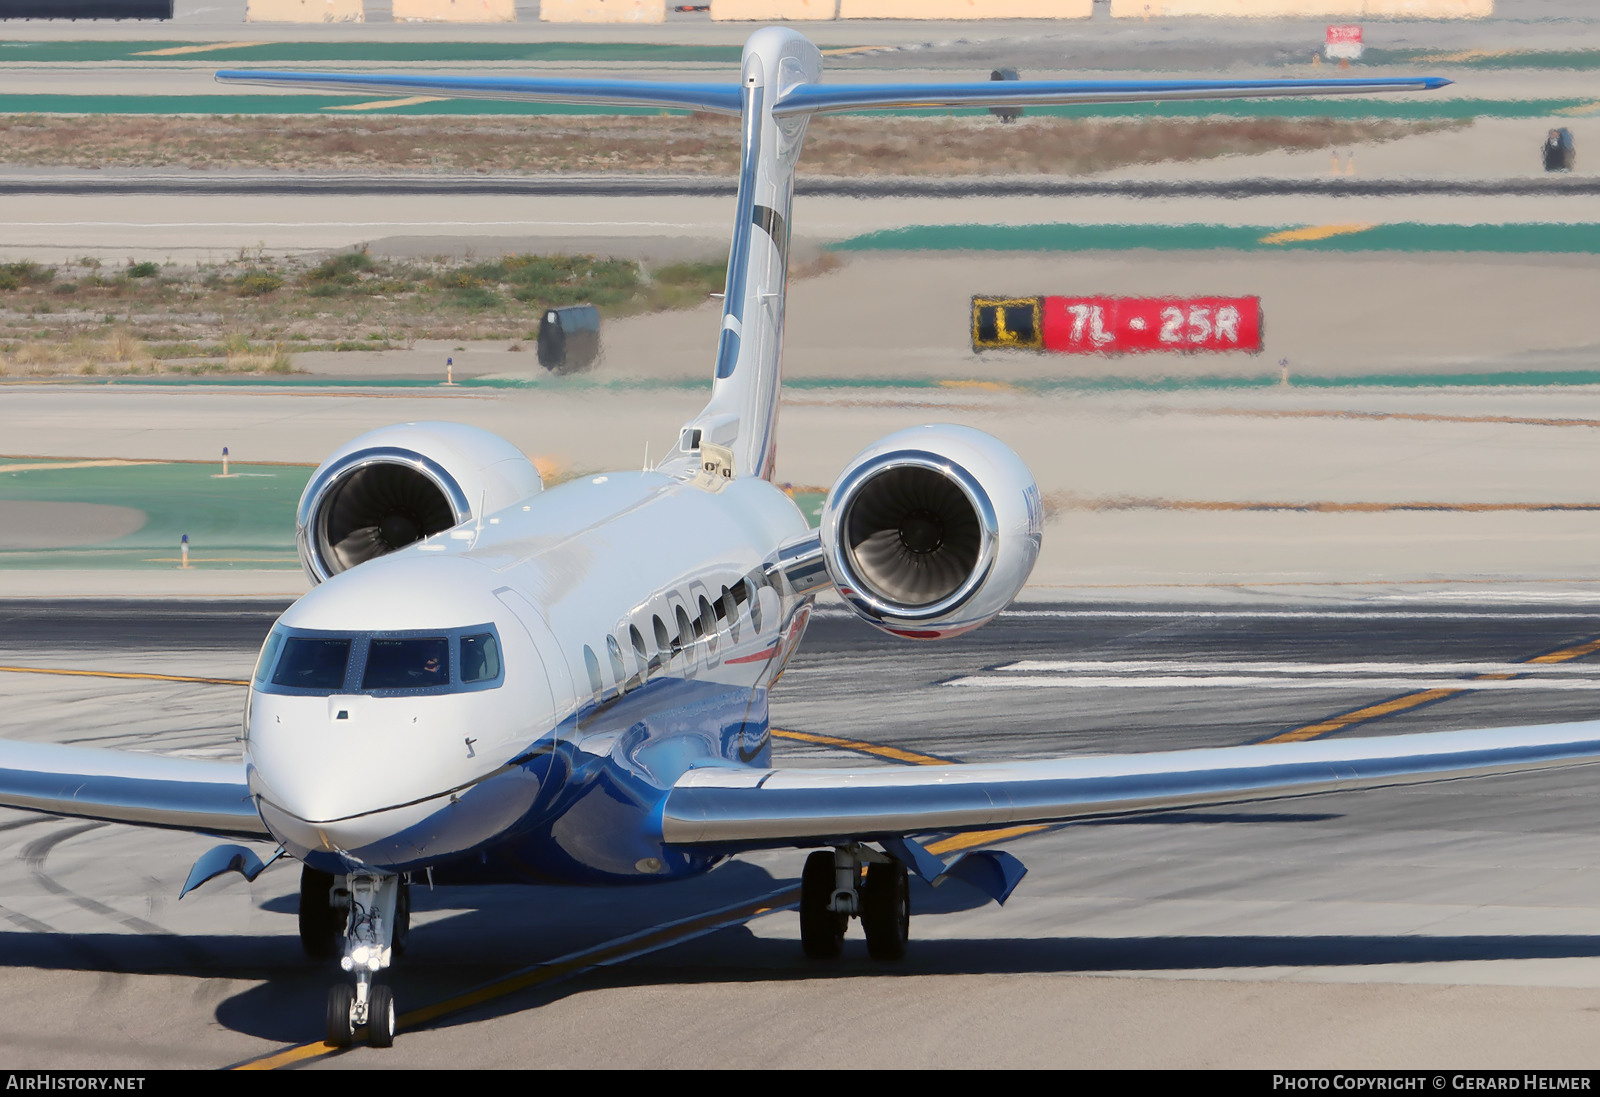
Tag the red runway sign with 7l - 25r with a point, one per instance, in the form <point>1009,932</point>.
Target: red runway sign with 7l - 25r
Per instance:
<point>1117,325</point>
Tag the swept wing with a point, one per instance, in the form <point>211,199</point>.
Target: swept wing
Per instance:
<point>128,787</point>
<point>732,809</point>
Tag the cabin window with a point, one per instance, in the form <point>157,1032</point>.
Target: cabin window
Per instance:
<point>419,662</point>
<point>728,607</point>
<point>592,665</point>
<point>480,658</point>
<point>685,629</point>
<point>640,654</point>
<point>708,622</point>
<point>663,638</point>
<point>755,604</point>
<point>618,671</point>
<point>313,663</point>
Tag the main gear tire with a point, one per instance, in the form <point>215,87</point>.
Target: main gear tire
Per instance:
<point>821,930</point>
<point>886,910</point>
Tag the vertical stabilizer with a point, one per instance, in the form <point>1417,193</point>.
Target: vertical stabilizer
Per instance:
<point>742,415</point>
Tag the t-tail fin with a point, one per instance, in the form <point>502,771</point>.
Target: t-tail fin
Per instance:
<point>778,92</point>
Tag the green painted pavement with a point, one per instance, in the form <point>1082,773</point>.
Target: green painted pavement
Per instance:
<point>1445,60</point>
<point>1346,107</point>
<point>87,52</point>
<point>1400,236</point>
<point>243,521</point>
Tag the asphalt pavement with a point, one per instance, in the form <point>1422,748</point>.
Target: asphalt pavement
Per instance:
<point>1451,923</point>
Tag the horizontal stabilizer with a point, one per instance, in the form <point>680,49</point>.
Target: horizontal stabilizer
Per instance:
<point>825,98</point>
<point>716,98</point>
<point>123,786</point>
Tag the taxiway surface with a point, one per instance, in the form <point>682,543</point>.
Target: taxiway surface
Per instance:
<point>1443,924</point>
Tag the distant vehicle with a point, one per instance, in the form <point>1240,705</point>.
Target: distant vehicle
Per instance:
<point>1559,150</point>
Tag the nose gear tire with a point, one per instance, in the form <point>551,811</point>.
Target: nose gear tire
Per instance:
<point>380,1017</point>
<point>341,1003</point>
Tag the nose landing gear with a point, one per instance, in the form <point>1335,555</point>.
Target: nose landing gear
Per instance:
<point>369,916</point>
<point>832,890</point>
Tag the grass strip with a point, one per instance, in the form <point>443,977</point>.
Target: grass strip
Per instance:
<point>1533,238</point>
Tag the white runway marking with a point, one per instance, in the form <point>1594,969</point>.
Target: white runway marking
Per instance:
<point>1198,666</point>
<point>1287,614</point>
<point>1258,681</point>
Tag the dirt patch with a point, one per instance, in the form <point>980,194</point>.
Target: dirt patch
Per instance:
<point>677,145</point>
<point>251,314</point>
<point>31,526</point>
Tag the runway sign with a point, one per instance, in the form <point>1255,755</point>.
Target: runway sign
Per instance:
<point>1006,322</point>
<point>1343,42</point>
<point>1117,325</point>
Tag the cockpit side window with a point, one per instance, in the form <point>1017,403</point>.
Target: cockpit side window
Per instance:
<point>420,662</point>
<point>480,658</point>
<point>313,663</point>
<point>269,654</point>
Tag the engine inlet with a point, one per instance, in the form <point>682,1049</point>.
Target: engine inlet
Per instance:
<point>911,536</point>
<point>375,510</point>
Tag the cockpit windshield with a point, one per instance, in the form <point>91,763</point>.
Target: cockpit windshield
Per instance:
<point>319,662</point>
<point>312,663</point>
<point>417,663</point>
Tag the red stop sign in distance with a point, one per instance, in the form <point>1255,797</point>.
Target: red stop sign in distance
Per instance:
<point>1138,325</point>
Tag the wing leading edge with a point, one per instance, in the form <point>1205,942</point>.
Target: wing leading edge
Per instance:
<point>717,98</point>
<point>826,98</point>
<point>733,809</point>
<point>128,787</point>
<point>818,98</point>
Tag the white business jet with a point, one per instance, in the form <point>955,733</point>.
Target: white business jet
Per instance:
<point>492,681</point>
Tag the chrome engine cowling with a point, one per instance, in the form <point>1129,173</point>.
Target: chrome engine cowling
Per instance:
<point>399,484</point>
<point>932,531</point>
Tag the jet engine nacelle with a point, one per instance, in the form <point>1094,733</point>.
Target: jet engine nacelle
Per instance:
<point>931,531</point>
<point>399,484</point>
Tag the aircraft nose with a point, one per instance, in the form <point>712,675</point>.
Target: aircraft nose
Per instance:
<point>361,775</point>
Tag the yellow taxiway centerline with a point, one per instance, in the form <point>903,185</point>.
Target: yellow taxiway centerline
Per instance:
<point>894,754</point>
<point>1313,232</point>
<point>126,674</point>
<point>1410,701</point>
<point>178,51</point>
<point>611,952</point>
<point>382,104</point>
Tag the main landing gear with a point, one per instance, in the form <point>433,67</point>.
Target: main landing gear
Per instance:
<point>833,888</point>
<point>365,920</point>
